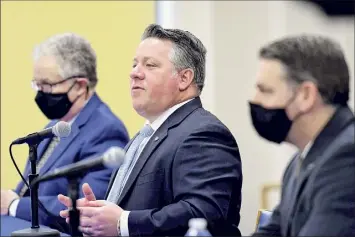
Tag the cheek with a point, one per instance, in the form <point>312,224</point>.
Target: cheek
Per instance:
<point>162,87</point>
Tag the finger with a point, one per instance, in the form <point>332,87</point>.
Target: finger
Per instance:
<point>88,193</point>
<point>64,213</point>
<point>87,211</point>
<point>85,221</point>
<point>64,200</point>
<point>98,203</point>
<point>86,230</point>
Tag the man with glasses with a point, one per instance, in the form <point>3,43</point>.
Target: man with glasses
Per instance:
<point>65,80</point>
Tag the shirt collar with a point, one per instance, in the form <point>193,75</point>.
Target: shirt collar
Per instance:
<point>306,149</point>
<point>164,116</point>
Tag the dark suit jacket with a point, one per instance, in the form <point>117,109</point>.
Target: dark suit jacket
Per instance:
<point>321,200</point>
<point>190,168</point>
<point>94,131</point>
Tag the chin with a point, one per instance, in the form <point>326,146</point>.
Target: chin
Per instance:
<point>138,107</point>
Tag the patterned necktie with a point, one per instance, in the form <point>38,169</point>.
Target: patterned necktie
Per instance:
<point>54,142</point>
<point>117,185</point>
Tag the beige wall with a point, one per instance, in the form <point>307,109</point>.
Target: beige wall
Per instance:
<point>233,31</point>
<point>26,23</point>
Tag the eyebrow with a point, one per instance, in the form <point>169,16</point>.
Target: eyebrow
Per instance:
<point>144,59</point>
<point>42,80</point>
<point>262,87</point>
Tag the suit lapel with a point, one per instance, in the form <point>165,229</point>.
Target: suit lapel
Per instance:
<point>80,121</point>
<point>59,149</point>
<point>340,120</point>
<point>158,137</point>
<point>143,158</point>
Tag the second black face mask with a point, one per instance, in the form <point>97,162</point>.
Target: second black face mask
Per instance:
<point>271,124</point>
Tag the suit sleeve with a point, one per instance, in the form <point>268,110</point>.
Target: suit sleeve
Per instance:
<point>95,145</point>
<point>206,170</point>
<point>333,206</point>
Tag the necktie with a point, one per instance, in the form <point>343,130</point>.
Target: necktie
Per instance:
<point>131,153</point>
<point>299,160</point>
<point>54,142</point>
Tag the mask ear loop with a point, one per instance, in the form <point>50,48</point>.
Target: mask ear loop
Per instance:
<point>292,99</point>
<point>87,92</point>
<point>72,88</point>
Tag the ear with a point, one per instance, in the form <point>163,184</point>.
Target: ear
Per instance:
<point>185,79</point>
<point>308,96</point>
<point>82,84</point>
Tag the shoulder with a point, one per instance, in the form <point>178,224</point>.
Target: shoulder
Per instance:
<point>202,120</point>
<point>103,119</point>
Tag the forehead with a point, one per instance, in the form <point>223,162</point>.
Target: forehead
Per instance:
<point>154,48</point>
<point>270,73</point>
<point>46,68</point>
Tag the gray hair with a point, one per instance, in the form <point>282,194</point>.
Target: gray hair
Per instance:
<point>188,50</point>
<point>73,53</point>
<point>313,58</point>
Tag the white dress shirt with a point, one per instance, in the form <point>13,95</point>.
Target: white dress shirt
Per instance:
<point>123,221</point>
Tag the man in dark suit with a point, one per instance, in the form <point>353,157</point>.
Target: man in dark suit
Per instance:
<point>65,80</point>
<point>186,163</point>
<point>302,95</point>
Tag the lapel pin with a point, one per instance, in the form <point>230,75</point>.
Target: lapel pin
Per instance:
<point>156,139</point>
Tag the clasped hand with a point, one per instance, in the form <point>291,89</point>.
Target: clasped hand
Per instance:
<point>97,217</point>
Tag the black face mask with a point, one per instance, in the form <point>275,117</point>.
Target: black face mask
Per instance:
<point>271,124</point>
<point>54,106</point>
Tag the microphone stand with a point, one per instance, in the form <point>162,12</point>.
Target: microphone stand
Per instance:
<point>35,229</point>
<point>74,213</point>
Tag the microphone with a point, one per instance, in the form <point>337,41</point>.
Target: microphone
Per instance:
<point>112,158</point>
<point>60,129</point>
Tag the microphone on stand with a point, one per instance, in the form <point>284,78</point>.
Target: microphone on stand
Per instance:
<point>60,129</point>
<point>112,159</point>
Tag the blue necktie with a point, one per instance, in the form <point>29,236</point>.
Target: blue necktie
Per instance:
<point>131,153</point>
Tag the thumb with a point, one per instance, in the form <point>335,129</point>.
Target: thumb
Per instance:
<point>88,193</point>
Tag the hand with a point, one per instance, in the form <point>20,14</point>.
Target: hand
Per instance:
<point>88,196</point>
<point>100,218</point>
<point>7,196</point>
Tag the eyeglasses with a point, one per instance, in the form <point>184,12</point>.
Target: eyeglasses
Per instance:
<point>47,87</point>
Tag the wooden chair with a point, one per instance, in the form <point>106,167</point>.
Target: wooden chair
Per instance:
<point>262,218</point>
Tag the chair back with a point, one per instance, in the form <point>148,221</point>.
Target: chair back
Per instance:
<point>262,218</point>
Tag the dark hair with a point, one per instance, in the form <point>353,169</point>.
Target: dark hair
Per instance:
<point>313,58</point>
<point>189,52</point>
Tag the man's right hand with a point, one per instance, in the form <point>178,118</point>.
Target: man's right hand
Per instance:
<point>82,202</point>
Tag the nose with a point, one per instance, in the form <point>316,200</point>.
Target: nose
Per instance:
<point>256,98</point>
<point>136,73</point>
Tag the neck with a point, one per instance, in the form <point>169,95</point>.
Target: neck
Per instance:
<point>309,127</point>
<point>77,106</point>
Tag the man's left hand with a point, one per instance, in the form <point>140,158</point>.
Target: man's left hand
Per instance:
<point>100,218</point>
<point>7,196</point>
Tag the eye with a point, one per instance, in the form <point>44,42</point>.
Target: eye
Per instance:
<point>150,65</point>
